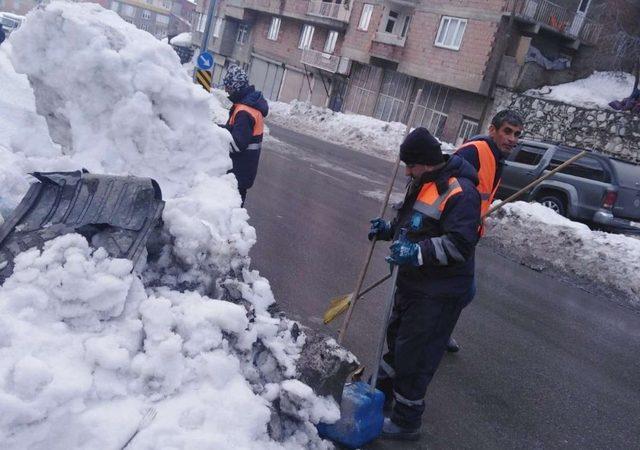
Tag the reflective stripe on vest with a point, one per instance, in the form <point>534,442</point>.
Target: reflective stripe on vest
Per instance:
<point>258,120</point>
<point>430,203</point>
<point>486,174</point>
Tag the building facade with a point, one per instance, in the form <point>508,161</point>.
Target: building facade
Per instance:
<point>371,57</point>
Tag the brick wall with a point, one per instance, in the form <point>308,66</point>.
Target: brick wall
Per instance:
<point>357,42</point>
<point>463,105</point>
<point>463,68</point>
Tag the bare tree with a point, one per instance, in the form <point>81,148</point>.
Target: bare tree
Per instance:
<point>619,43</point>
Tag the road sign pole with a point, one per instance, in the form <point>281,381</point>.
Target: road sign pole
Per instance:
<point>207,29</point>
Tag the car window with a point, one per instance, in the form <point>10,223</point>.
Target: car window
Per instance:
<point>529,154</point>
<point>586,167</point>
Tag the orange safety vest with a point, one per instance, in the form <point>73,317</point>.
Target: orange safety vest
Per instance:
<point>486,175</point>
<point>258,120</point>
<point>430,203</point>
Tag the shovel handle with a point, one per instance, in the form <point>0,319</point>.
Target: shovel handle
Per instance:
<point>387,315</point>
<point>383,209</point>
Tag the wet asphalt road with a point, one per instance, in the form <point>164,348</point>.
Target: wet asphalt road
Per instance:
<point>543,364</point>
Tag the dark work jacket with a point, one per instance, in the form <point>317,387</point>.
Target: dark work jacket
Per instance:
<point>245,161</point>
<point>449,274</point>
<point>470,154</point>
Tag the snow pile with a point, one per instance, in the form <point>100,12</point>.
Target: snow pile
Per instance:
<point>540,236</point>
<point>593,92</point>
<point>182,40</point>
<point>85,347</point>
<point>77,373</point>
<point>362,133</point>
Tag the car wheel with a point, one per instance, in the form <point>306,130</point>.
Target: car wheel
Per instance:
<point>553,202</point>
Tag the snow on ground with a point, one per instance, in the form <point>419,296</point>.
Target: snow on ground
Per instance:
<point>362,133</point>
<point>595,91</point>
<point>85,348</point>
<point>535,232</point>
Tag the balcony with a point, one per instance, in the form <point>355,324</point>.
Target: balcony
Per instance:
<point>328,10</point>
<point>556,18</point>
<point>325,61</point>
<point>389,39</point>
<point>268,6</point>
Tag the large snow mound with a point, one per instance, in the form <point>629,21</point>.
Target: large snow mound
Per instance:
<point>85,347</point>
<point>358,132</point>
<point>537,233</point>
<point>593,92</point>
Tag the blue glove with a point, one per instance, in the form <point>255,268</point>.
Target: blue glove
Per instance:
<point>405,252</point>
<point>379,227</point>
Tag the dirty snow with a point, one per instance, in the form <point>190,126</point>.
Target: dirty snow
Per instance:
<point>535,232</point>
<point>594,92</point>
<point>85,348</point>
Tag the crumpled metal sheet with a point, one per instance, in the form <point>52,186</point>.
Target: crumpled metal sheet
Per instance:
<point>115,212</point>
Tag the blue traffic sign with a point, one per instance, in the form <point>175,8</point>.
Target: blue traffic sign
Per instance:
<point>205,61</point>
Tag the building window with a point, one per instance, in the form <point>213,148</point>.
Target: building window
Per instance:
<point>451,32</point>
<point>392,19</point>
<point>330,43</point>
<point>405,26</point>
<point>365,17</point>
<point>144,26</point>
<point>217,27</point>
<point>162,19</point>
<point>114,6</point>
<point>146,14</point>
<point>128,10</point>
<point>306,37</point>
<point>274,29</point>
<point>150,2</point>
<point>166,4</point>
<point>243,33</point>
<point>468,128</point>
<point>202,21</point>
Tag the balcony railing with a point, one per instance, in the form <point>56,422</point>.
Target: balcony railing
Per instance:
<point>556,17</point>
<point>336,11</point>
<point>390,39</point>
<point>320,60</point>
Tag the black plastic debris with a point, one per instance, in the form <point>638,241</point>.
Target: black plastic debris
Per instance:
<point>118,213</point>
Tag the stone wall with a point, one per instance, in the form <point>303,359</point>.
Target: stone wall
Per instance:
<point>605,130</point>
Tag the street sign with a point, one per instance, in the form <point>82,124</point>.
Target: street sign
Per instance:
<point>203,77</point>
<point>205,61</point>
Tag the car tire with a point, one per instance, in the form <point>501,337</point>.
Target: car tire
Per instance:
<point>553,202</point>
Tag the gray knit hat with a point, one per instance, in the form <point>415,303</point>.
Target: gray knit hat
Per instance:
<point>236,79</point>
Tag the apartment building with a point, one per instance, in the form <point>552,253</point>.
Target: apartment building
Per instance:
<point>153,16</point>
<point>371,57</point>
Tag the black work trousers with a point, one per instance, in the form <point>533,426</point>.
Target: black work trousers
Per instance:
<point>417,336</point>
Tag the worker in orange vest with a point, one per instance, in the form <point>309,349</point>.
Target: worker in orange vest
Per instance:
<point>246,125</point>
<point>434,233</point>
<point>487,154</point>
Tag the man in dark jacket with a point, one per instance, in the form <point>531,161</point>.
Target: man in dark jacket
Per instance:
<point>246,125</point>
<point>435,233</point>
<point>487,154</point>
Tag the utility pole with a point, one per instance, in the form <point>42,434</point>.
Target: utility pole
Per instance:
<point>207,27</point>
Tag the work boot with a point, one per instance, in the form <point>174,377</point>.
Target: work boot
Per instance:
<point>452,346</point>
<point>395,432</point>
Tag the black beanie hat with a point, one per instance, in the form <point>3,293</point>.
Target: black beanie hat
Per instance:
<point>419,147</point>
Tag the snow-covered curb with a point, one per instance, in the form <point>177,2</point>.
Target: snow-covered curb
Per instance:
<point>535,233</point>
<point>361,133</point>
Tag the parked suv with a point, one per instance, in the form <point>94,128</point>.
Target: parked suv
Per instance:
<point>596,189</point>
